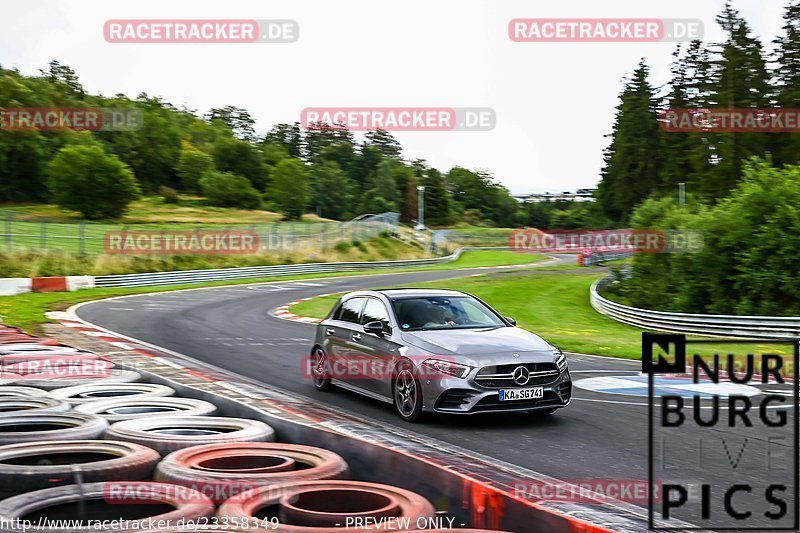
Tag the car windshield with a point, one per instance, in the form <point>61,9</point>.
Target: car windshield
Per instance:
<point>438,312</point>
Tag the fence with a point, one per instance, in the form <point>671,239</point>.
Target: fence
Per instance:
<point>767,327</point>
<point>21,233</point>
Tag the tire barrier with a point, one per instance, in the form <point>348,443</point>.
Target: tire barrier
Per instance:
<point>33,466</point>
<point>59,365</point>
<point>47,381</point>
<point>169,434</point>
<point>137,408</point>
<point>23,357</point>
<point>133,500</point>
<point>223,470</point>
<point>10,391</point>
<point>41,404</point>
<point>92,392</point>
<point>7,378</point>
<point>309,506</point>
<point>34,427</point>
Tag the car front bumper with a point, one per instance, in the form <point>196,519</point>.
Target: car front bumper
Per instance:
<point>451,395</point>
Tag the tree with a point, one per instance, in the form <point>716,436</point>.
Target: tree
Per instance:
<point>739,80</point>
<point>226,189</point>
<point>322,136</point>
<point>237,119</point>
<point>786,146</point>
<point>288,135</point>
<point>86,179</point>
<point>242,158</point>
<point>290,188</point>
<point>193,165</point>
<point>632,160</point>
<point>331,192</point>
<point>386,144</point>
<point>437,199</point>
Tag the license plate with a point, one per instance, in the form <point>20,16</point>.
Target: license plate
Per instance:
<point>521,394</point>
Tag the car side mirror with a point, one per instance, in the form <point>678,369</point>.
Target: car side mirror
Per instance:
<point>510,320</point>
<point>375,327</point>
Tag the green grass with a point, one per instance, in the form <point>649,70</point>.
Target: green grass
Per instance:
<point>481,258</point>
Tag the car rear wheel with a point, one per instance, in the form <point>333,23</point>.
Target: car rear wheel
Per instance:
<point>407,394</point>
<point>321,370</point>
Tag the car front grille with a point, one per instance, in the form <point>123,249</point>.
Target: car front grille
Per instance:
<point>501,376</point>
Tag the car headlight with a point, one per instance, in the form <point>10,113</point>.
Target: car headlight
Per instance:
<point>561,360</point>
<point>448,367</point>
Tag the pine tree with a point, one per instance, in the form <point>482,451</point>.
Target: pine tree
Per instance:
<point>740,80</point>
<point>785,147</point>
<point>633,159</point>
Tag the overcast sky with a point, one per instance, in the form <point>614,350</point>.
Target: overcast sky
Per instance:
<point>554,101</point>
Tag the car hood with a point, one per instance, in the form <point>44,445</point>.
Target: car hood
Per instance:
<point>475,342</point>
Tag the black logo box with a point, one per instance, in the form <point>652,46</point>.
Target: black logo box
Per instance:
<point>675,345</point>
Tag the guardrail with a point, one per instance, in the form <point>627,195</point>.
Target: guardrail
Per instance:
<point>766,327</point>
<point>224,274</point>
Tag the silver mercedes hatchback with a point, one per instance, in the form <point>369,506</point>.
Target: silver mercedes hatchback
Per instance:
<point>436,351</point>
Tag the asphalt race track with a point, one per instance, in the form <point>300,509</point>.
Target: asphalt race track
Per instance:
<point>601,435</point>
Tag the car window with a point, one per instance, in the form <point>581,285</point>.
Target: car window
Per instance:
<point>436,312</point>
<point>337,312</point>
<point>375,310</point>
<point>351,309</point>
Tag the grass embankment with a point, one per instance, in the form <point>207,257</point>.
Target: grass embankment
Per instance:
<point>59,263</point>
<point>158,214</point>
<point>27,310</point>
<point>555,306</point>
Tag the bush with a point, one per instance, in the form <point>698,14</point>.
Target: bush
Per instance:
<point>86,179</point>
<point>169,194</point>
<point>290,189</point>
<point>360,245</point>
<point>224,189</point>
<point>342,247</point>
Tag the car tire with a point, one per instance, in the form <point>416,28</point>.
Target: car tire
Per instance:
<point>320,372</point>
<point>22,392</point>
<point>410,507</point>
<point>50,383</point>
<point>187,505</point>
<point>408,402</point>
<point>117,410</point>
<point>40,404</point>
<point>110,391</point>
<point>39,465</point>
<point>167,434</point>
<point>50,426</point>
<point>218,468</point>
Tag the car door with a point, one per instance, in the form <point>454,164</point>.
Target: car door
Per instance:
<point>377,352</point>
<point>342,351</point>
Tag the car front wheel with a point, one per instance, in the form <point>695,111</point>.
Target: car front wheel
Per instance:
<point>407,395</point>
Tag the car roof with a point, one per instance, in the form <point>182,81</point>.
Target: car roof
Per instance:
<point>407,293</point>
